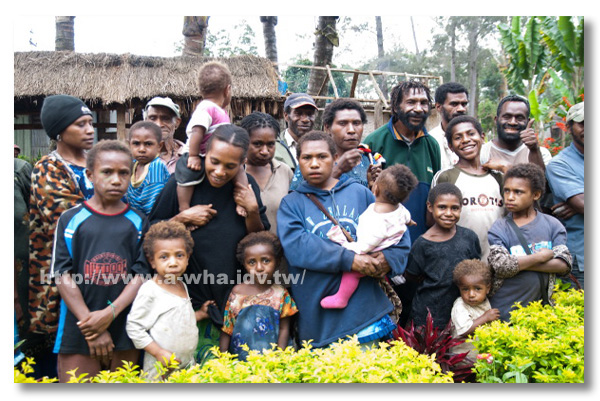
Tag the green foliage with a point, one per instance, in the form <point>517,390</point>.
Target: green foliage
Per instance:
<point>342,362</point>
<point>24,369</point>
<point>541,344</point>
<point>545,61</point>
<point>297,79</point>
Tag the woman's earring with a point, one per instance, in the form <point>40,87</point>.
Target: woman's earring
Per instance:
<point>58,138</point>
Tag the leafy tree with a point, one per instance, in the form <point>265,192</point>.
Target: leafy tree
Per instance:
<point>297,79</point>
<point>545,62</point>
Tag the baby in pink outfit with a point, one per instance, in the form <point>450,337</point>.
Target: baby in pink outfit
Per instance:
<point>380,226</point>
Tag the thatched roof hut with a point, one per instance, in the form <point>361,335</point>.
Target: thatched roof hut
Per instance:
<point>125,82</point>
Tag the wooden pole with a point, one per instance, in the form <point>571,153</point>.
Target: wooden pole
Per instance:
<point>335,91</point>
<point>121,127</point>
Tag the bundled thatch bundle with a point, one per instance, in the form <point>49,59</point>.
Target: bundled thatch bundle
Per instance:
<point>104,79</point>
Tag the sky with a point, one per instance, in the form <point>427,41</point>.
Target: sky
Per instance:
<point>139,34</point>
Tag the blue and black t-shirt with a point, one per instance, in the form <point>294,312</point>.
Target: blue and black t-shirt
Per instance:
<point>102,253</point>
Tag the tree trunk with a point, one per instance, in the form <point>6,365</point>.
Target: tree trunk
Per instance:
<point>412,24</point>
<point>268,24</point>
<point>194,33</point>
<point>325,39</point>
<point>65,33</point>
<point>452,29</point>
<point>473,35</point>
<point>382,64</point>
<point>379,29</point>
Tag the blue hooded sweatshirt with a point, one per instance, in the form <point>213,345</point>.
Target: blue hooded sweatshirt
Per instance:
<point>319,262</point>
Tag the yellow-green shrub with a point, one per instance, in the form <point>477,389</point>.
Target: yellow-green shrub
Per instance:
<point>541,344</point>
<point>343,362</point>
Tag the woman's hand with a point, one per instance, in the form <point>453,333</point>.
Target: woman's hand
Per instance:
<point>346,162</point>
<point>369,265</point>
<point>372,173</point>
<point>197,216</point>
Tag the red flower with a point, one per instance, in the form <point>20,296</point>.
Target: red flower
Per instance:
<point>562,126</point>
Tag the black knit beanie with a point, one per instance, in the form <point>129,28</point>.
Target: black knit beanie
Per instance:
<point>59,111</point>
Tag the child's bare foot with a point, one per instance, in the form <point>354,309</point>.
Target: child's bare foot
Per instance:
<point>241,211</point>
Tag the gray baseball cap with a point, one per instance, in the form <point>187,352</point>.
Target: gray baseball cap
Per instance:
<point>164,102</point>
<point>575,113</point>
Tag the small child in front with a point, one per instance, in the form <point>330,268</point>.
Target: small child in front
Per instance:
<point>381,225</point>
<point>434,255</point>
<point>472,309</point>
<point>162,321</point>
<point>525,271</point>
<point>149,172</point>
<point>97,262</point>
<point>257,312</point>
<point>215,87</point>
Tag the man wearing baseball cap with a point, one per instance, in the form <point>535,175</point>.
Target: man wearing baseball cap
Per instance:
<point>164,112</point>
<point>299,111</point>
<point>565,175</point>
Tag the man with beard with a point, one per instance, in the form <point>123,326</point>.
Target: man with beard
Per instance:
<point>405,140</point>
<point>451,100</point>
<point>299,111</point>
<point>517,142</point>
<point>565,175</point>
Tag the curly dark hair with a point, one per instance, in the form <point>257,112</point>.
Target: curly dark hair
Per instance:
<point>459,120</point>
<point>513,98</point>
<point>260,237</point>
<point>107,145</point>
<point>398,181</point>
<point>257,120</point>
<point>148,125</point>
<point>213,78</point>
<point>342,104</point>
<point>166,230</point>
<point>404,88</point>
<point>316,136</point>
<point>444,188</point>
<point>530,172</point>
<point>441,93</point>
<point>473,267</point>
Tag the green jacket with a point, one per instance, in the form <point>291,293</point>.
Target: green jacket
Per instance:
<point>422,156</point>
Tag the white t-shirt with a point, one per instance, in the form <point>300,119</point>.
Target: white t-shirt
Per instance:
<point>482,202</point>
<point>520,155</point>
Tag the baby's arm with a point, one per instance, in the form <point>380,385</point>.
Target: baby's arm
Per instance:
<point>241,181</point>
<point>489,316</point>
<point>196,137</point>
<point>284,332</point>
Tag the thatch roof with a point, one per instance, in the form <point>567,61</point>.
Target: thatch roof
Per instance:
<point>120,78</point>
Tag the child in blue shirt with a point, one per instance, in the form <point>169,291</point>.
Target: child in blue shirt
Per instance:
<point>149,173</point>
<point>519,276</point>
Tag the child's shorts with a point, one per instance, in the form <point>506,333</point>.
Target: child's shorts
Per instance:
<point>185,176</point>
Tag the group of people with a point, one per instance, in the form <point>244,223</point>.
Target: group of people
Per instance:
<point>248,236</point>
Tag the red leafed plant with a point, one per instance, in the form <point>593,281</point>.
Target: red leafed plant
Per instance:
<point>430,340</point>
